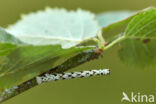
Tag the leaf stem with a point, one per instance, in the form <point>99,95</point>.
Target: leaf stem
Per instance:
<point>114,42</point>
<point>101,39</point>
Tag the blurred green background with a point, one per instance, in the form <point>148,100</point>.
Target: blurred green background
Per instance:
<point>95,90</point>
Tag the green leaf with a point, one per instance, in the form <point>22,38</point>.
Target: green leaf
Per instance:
<point>107,18</point>
<point>41,41</point>
<point>56,26</point>
<point>28,61</point>
<point>139,46</point>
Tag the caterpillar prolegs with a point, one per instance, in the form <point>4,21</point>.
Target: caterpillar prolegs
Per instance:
<point>61,76</point>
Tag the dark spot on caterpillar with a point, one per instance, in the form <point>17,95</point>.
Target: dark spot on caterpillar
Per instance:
<point>78,74</point>
<point>63,78</point>
<point>109,72</point>
<point>94,72</point>
<point>54,74</point>
<point>98,73</point>
<point>72,77</point>
<point>146,40</point>
<point>87,73</point>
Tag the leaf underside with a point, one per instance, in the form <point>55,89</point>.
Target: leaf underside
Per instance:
<point>56,26</point>
<point>139,47</point>
<point>107,18</point>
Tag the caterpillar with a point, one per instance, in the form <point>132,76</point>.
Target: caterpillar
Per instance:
<point>62,76</point>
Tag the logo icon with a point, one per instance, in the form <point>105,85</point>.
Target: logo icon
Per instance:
<point>125,97</point>
<point>137,98</point>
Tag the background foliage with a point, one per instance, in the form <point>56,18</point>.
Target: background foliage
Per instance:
<point>90,90</point>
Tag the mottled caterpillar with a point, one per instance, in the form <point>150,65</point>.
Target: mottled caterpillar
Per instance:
<point>61,76</point>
